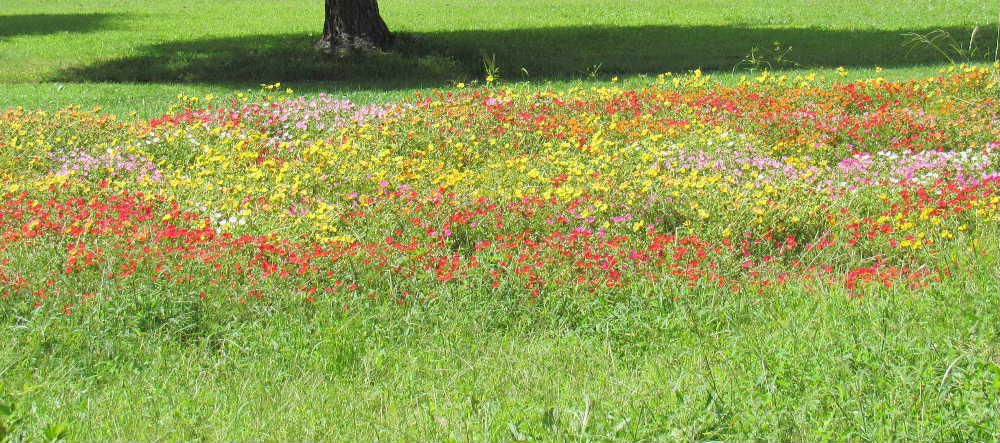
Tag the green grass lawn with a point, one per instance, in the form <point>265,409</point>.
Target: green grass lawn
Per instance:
<point>787,366</point>
<point>137,55</point>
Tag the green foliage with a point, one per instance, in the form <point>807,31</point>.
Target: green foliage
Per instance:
<point>56,432</point>
<point>950,47</point>
<point>773,59</point>
<point>9,420</point>
<point>785,366</point>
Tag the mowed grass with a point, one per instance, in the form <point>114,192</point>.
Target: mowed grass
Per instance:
<point>135,56</point>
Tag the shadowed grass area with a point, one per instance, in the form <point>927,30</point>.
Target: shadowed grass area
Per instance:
<point>559,53</point>
<point>44,24</point>
<point>135,56</point>
<point>250,41</point>
<point>147,100</point>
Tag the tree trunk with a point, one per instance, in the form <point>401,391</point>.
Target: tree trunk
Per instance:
<point>354,24</point>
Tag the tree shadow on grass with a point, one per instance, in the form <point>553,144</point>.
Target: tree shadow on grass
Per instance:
<point>45,24</point>
<point>430,59</point>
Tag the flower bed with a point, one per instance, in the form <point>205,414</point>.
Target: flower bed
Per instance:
<point>682,184</point>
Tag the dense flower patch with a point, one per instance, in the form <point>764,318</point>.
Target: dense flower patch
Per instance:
<point>684,183</point>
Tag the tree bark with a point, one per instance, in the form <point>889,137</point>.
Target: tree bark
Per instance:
<point>354,24</point>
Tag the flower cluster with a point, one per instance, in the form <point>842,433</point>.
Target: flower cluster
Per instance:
<point>685,185</point>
